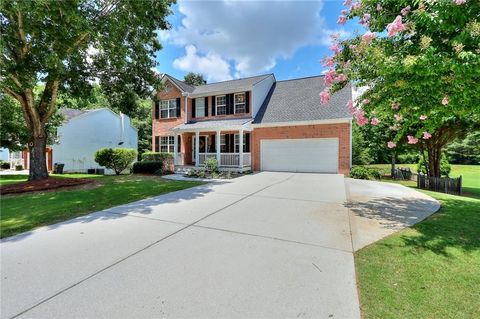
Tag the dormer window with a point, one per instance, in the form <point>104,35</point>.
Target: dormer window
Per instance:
<point>239,104</point>
<point>221,104</point>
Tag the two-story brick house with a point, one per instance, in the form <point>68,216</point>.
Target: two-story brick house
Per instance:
<point>254,123</point>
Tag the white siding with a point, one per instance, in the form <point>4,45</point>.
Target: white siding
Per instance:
<point>82,136</point>
<point>260,92</point>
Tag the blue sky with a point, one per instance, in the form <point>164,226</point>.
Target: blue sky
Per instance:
<point>226,39</point>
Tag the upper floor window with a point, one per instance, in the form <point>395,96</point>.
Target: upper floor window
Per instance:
<point>168,108</point>
<point>239,106</point>
<point>200,107</point>
<point>221,104</point>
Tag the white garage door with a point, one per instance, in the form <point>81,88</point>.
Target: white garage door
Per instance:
<point>319,155</point>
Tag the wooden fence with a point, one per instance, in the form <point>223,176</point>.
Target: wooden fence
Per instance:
<point>437,184</point>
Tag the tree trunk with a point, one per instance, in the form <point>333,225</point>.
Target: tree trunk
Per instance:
<point>38,159</point>
<point>392,169</point>
<point>434,153</point>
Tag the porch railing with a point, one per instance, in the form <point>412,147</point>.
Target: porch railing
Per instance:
<point>203,156</point>
<point>226,159</point>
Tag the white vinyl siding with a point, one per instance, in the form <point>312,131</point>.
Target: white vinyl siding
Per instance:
<point>221,104</point>
<point>200,107</point>
<point>168,108</point>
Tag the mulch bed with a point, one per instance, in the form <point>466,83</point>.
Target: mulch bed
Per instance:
<point>43,185</point>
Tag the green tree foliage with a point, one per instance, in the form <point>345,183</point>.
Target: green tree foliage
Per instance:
<point>465,151</point>
<point>118,159</point>
<point>420,63</point>
<point>194,79</point>
<point>68,45</point>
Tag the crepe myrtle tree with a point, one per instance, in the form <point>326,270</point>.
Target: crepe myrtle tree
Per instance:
<point>420,64</point>
<point>70,45</point>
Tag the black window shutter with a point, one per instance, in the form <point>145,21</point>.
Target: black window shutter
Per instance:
<point>227,143</point>
<point>179,108</point>
<point>247,101</point>
<point>214,111</point>
<point>229,103</point>
<point>157,142</point>
<point>193,108</point>
<point>247,142</point>
<point>157,110</point>
<point>179,144</point>
<point>232,143</point>
<point>206,106</point>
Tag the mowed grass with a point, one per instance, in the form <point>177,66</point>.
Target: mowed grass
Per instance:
<point>430,270</point>
<point>20,213</point>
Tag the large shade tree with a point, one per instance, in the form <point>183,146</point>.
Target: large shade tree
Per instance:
<point>420,64</point>
<point>70,45</point>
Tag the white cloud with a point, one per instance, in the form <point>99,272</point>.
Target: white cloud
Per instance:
<point>211,64</point>
<point>250,34</point>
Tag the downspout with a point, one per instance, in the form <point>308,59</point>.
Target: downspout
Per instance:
<point>185,94</point>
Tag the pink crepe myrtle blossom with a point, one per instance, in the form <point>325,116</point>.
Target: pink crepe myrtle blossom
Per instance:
<point>352,46</point>
<point>330,76</point>
<point>374,121</point>
<point>365,101</point>
<point>342,19</point>
<point>347,3</point>
<point>356,5</point>
<point>391,144</point>
<point>347,64</point>
<point>396,26</point>
<point>445,100</point>
<point>351,108</point>
<point>324,97</point>
<point>426,135</point>
<point>423,117</point>
<point>395,127</point>
<point>412,139</point>
<point>369,36</point>
<point>460,2</point>
<point>328,62</point>
<point>344,12</point>
<point>397,117</point>
<point>360,117</point>
<point>395,106</point>
<point>365,19</point>
<point>405,10</point>
<point>340,78</point>
<point>335,47</point>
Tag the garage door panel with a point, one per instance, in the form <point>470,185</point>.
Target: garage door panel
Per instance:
<point>300,155</point>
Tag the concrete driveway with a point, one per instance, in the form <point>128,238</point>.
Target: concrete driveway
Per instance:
<point>268,245</point>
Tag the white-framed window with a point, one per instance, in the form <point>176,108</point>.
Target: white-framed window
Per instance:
<point>223,143</point>
<point>200,107</point>
<point>237,143</point>
<point>167,144</point>
<point>221,104</point>
<point>168,108</point>
<point>239,104</point>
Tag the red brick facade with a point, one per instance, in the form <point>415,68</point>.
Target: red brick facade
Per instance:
<point>341,130</point>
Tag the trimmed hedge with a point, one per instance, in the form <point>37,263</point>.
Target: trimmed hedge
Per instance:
<point>118,159</point>
<point>156,156</point>
<point>4,165</point>
<point>148,167</point>
<point>361,172</point>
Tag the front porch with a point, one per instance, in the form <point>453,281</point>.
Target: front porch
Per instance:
<point>230,146</point>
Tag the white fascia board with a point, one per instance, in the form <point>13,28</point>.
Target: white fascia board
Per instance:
<point>300,123</point>
<point>246,127</point>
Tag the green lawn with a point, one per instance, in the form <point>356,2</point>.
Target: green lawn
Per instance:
<point>25,212</point>
<point>430,270</point>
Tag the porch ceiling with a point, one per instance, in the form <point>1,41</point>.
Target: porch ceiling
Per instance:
<point>215,125</point>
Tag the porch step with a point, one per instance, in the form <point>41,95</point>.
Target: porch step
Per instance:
<point>179,169</point>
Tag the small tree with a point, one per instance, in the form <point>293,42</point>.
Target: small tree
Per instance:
<point>117,159</point>
<point>194,79</point>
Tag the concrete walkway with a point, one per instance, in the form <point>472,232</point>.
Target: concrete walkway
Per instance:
<point>269,245</point>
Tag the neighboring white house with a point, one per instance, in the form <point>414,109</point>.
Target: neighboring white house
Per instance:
<point>85,132</point>
<point>4,154</point>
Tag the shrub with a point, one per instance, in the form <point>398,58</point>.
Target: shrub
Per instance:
<point>156,156</point>
<point>211,165</point>
<point>148,167</point>
<point>18,167</point>
<point>362,172</point>
<point>5,165</point>
<point>117,159</point>
<point>408,158</point>
<point>445,167</point>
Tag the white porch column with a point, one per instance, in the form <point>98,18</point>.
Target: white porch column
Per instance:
<point>197,148</point>
<point>175,146</point>
<point>240,160</point>
<point>217,146</point>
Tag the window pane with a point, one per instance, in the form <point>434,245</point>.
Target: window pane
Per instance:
<point>240,98</point>
<point>221,110</point>
<point>200,107</point>
<point>240,103</point>
<point>221,100</point>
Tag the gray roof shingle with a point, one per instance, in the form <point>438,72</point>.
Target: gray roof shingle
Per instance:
<point>230,85</point>
<point>69,114</point>
<point>182,85</point>
<point>298,100</point>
